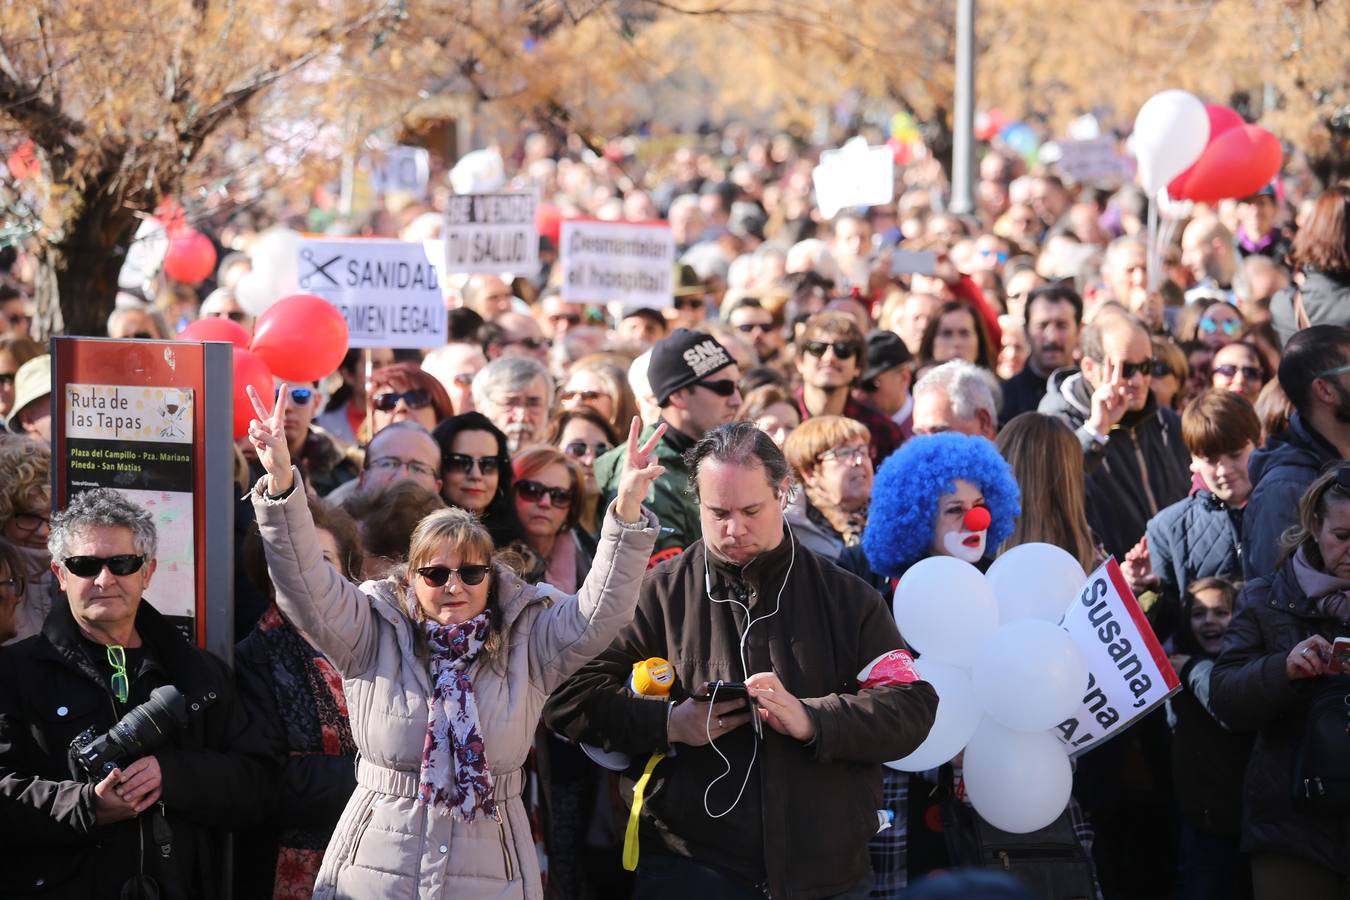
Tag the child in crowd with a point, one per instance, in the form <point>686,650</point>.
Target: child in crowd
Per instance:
<point>1208,760</point>
<point>1200,536</point>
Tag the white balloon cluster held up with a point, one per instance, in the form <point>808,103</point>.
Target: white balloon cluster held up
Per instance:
<point>275,272</point>
<point>1005,674</point>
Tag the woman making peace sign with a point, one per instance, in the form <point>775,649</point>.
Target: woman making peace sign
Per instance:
<point>446,667</point>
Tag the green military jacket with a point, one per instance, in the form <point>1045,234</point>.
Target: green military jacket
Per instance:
<point>669,496</point>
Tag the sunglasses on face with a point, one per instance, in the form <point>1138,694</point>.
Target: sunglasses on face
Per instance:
<point>299,396</point>
<point>388,401</point>
<point>587,397</point>
<point>437,576</point>
<point>91,566</point>
<point>842,349</point>
<point>569,318</point>
<point>1228,370</point>
<point>688,302</point>
<point>235,316</point>
<point>534,492</point>
<point>463,463</point>
<point>463,379</point>
<point>724,388</point>
<point>752,327</point>
<point>30,522</point>
<point>578,449</point>
<point>1229,326</point>
<point>527,343</point>
<point>1130,369</point>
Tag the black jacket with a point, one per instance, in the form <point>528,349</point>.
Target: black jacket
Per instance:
<point>1208,760</point>
<point>1194,538</point>
<point>1326,300</point>
<point>1252,692</point>
<point>1022,393</point>
<point>808,811</point>
<point>1280,472</point>
<point>51,689</point>
<point>1142,468</point>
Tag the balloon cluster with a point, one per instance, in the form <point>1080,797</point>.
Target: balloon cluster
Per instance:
<point>1005,673</point>
<point>1200,152</point>
<point>165,243</point>
<point>301,338</point>
<point>275,271</point>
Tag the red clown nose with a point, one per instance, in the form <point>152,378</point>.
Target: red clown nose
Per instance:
<point>977,519</point>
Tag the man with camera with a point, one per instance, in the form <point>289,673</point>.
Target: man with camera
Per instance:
<point>124,754</point>
<point>756,625</point>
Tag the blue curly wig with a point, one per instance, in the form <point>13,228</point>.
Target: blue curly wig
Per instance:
<point>908,485</point>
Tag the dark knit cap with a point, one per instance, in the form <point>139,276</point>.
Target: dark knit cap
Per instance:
<point>682,359</point>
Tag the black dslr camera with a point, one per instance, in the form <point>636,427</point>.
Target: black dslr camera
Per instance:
<point>139,732</point>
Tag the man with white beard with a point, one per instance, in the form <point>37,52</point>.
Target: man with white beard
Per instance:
<point>516,393</point>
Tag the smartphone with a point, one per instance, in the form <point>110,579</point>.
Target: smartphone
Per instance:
<point>1340,656</point>
<point>732,690</point>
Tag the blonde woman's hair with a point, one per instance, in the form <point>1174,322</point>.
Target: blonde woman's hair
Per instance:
<point>1312,509</point>
<point>1047,461</point>
<point>469,540</point>
<point>25,477</point>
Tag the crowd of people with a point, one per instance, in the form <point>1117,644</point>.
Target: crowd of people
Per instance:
<point>449,562</point>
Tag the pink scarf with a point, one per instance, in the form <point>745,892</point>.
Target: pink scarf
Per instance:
<point>455,775</point>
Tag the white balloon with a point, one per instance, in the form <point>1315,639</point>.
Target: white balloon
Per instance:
<point>1035,581</point>
<point>1017,781</point>
<point>1170,132</point>
<point>254,293</point>
<point>478,171</point>
<point>145,255</point>
<point>945,609</point>
<point>958,714</point>
<point>1030,675</point>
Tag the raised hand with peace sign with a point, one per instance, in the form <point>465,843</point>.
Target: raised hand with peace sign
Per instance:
<point>267,434</point>
<point>640,469</point>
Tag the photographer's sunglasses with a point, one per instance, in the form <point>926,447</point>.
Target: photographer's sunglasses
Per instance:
<point>91,566</point>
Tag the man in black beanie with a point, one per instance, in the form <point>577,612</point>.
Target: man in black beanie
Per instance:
<point>694,380</point>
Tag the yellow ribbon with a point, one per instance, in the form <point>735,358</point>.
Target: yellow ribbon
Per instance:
<point>630,838</point>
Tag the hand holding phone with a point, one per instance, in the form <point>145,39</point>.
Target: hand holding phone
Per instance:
<point>1339,663</point>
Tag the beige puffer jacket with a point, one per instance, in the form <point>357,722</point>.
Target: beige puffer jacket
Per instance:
<point>386,845</point>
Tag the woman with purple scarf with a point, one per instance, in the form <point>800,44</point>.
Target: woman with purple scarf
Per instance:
<point>446,667</point>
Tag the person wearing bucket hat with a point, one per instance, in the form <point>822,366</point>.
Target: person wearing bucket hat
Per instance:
<point>887,377</point>
<point>31,413</point>
<point>695,382</point>
<point>690,306</point>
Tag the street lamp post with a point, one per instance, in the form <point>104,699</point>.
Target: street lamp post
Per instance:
<point>963,144</point>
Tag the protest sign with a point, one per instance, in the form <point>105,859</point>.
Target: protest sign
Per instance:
<point>1087,161</point>
<point>388,291</point>
<point>854,175</point>
<point>491,233</point>
<point>630,263</point>
<point>400,170</point>
<point>152,420</point>
<point>1128,671</point>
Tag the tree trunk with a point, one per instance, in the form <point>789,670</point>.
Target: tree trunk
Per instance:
<point>77,276</point>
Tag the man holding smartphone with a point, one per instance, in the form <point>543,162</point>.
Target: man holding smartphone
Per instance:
<point>727,814</point>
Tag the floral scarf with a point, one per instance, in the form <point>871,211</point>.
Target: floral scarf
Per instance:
<point>455,776</point>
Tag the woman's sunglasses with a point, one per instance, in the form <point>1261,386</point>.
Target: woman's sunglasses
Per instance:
<point>577,449</point>
<point>586,397</point>
<point>1228,370</point>
<point>388,401</point>
<point>463,463</point>
<point>91,566</point>
<point>534,492</point>
<point>1229,326</point>
<point>437,576</point>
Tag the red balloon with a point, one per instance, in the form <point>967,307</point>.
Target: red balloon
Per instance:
<point>249,369</point>
<point>1241,162</point>
<point>1221,119</point>
<point>301,338</point>
<point>191,257</point>
<point>216,328</point>
<point>548,222</point>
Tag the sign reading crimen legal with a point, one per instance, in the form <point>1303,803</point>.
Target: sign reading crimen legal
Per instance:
<point>631,263</point>
<point>388,291</point>
<point>491,233</point>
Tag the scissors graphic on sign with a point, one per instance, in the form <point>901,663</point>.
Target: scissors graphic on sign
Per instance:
<point>317,268</point>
